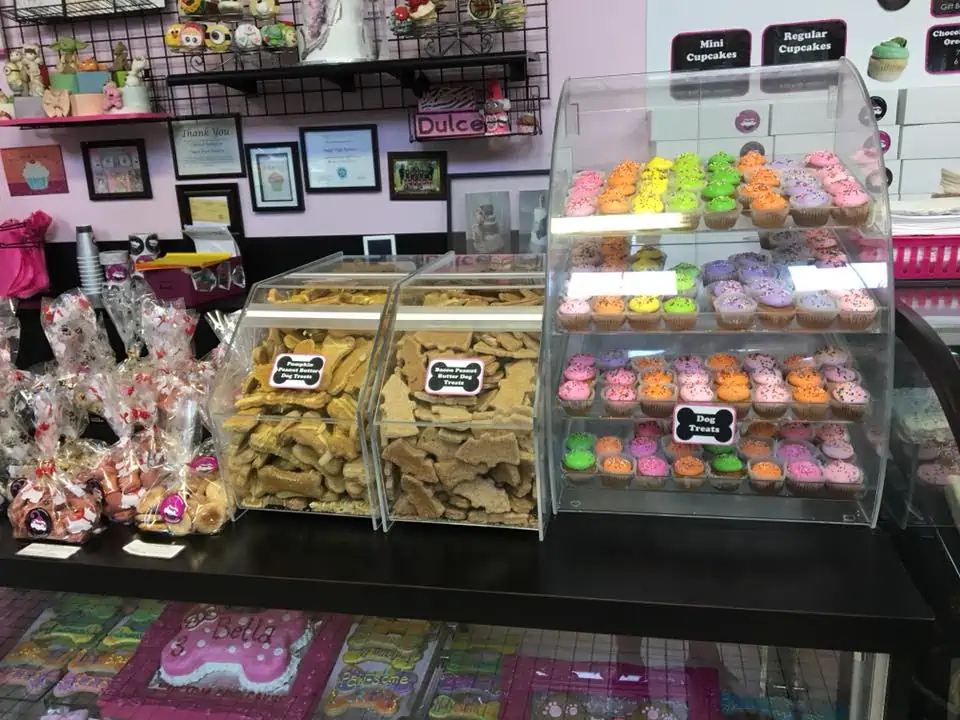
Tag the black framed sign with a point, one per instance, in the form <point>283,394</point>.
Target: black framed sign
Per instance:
<point>417,175</point>
<point>340,159</point>
<point>116,170</point>
<point>274,173</point>
<point>207,148</point>
<point>213,204</point>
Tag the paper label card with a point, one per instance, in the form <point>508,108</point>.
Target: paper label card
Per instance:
<point>297,372</point>
<point>48,551</point>
<point>458,377</point>
<point>704,424</point>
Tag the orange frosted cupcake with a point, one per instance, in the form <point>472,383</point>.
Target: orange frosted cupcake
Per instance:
<point>811,403</point>
<point>732,377</point>
<point>608,445</point>
<point>805,377</point>
<point>658,400</point>
<point>723,361</point>
<point>792,362</point>
<point>761,429</point>
<point>615,247</point>
<point>766,176</point>
<point>616,470</point>
<point>749,191</point>
<point>688,473</point>
<point>756,448</point>
<point>628,166</point>
<point>657,376</point>
<point>642,363</point>
<point>769,210</point>
<point>609,312</point>
<point>736,395</point>
<point>613,205</point>
<point>750,163</point>
<point>766,476</point>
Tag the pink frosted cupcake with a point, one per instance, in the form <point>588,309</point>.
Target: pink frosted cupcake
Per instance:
<point>828,432</point>
<point>648,428</point>
<point>838,375</point>
<point>641,447</point>
<point>805,477</point>
<point>844,479</point>
<point>770,376</point>
<point>696,394</point>
<point>619,400</point>
<point>580,207</point>
<point>759,361</point>
<point>837,450</point>
<point>652,472</point>
<point>771,401</point>
<point>796,432</point>
<point>857,310</point>
<point>573,314</point>
<point>830,355</point>
<point>575,396</point>
<point>821,159</point>
<point>933,474</point>
<point>620,376</point>
<point>849,401</point>
<point>851,206</point>
<point>578,371</point>
<point>582,359</point>
<point>694,377</point>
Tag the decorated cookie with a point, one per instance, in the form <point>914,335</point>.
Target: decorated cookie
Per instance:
<point>473,661</point>
<point>465,707</point>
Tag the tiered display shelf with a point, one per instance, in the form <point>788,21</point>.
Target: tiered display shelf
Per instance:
<point>659,237</point>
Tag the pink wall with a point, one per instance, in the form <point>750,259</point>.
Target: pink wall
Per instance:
<point>582,43</point>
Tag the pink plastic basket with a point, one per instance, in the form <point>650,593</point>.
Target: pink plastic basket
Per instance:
<point>926,257</point>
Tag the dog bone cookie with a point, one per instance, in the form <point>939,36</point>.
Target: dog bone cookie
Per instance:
<point>466,707</point>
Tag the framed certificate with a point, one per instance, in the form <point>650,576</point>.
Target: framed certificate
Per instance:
<point>207,148</point>
<point>341,159</point>
<point>213,204</point>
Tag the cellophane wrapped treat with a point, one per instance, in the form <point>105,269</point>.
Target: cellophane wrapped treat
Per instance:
<point>223,326</point>
<point>15,441</point>
<point>124,304</point>
<point>189,497</point>
<point>168,330</point>
<point>57,502</point>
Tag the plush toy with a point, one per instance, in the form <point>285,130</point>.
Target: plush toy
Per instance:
<point>172,36</point>
<point>217,37</point>
<point>112,99</point>
<point>192,36</point>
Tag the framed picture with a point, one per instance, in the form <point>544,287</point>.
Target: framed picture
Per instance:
<point>274,173</point>
<point>207,148</point>
<point>35,170</point>
<point>498,212</point>
<point>341,159</point>
<point>214,204</point>
<point>116,170</point>
<point>418,175</point>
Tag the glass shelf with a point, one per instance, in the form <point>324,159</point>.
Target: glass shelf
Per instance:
<point>671,224</point>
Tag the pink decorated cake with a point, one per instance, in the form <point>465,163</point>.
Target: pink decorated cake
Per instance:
<point>260,650</point>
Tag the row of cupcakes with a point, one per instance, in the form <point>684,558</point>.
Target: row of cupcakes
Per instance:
<point>763,430</point>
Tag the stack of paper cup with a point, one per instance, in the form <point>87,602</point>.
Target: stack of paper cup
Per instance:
<point>88,261</point>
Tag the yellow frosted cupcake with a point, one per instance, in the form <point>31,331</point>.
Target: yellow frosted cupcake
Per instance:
<point>659,163</point>
<point>646,205</point>
<point>643,312</point>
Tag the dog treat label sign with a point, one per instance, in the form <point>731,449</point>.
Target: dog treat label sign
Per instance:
<point>297,372</point>
<point>460,377</point>
<point>704,424</point>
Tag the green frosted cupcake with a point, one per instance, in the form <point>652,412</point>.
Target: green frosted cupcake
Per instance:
<point>727,174</point>
<point>721,213</point>
<point>680,313</point>
<point>685,267</point>
<point>580,461</point>
<point>581,441</point>
<point>728,471</point>
<point>715,189</point>
<point>723,158</point>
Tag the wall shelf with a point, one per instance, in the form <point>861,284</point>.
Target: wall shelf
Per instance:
<point>344,76</point>
<point>70,120</point>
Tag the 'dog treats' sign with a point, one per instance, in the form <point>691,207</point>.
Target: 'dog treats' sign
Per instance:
<point>704,424</point>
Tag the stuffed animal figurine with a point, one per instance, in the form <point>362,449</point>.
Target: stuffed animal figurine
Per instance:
<point>13,71</point>
<point>112,98</point>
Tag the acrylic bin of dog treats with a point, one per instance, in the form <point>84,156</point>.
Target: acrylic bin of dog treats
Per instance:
<point>455,410</point>
<point>288,403</point>
<point>719,307</point>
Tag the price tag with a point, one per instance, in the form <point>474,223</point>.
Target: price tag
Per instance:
<point>49,552</point>
<point>704,424</point>
<point>297,372</point>
<point>453,376</point>
<point>161,551</point>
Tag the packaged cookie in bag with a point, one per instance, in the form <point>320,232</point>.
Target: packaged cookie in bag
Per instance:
<point>189,496</point>
<point>168,330</point>
<point>56,503</point>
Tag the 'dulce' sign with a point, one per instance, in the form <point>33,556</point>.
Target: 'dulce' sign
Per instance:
<point>463,123</point>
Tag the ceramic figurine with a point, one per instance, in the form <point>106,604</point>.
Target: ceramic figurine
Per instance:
<point>56,103</point>
<point>88,64</point>
<point>13,71</point>
<point>231,7</point>
<point>32,74</point>
<point>512,13</point>
<point>496,110</point>
<point>217,37</point>
<point>112,99</point>
<point>137,68</point>
<point>263,8</point>
<point>400,22</point>
<point>272,36</point>
<point>120,60</point>
<point>192,8</point>
<point>422,12</point>
<point>171,37</point>
<point>191,37</point>
<point>246,36</point>
<point>481,10</point>
<point>67,48</point>
<point>289,34</point>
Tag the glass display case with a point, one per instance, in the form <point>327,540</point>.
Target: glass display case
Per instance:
<point>720,322</point>
<point>289,403</point>
<point>456,413</point>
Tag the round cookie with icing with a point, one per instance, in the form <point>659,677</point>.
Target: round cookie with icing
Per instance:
<point>261,650</point>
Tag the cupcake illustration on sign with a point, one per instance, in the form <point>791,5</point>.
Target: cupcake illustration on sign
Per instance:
<point>276,181</point>
<point>888,60</point>
<point>37,175</point>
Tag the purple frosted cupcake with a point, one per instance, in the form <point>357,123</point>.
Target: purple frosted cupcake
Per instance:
<point>810,208</point>
<point>816,311</point>
<point>734,312</point>
<point>612,359</point>
<point>762,286</point>
<point>783,164</point>
<point>749,258</point>
<point>757,271</point>
<point>719,270</point>
<point>776,309</point>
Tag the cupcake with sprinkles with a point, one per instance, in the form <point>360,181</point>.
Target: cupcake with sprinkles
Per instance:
<point>619,400</point>
<point>857,310</point>
<point>805,477</point>
<point>688,473</point>
<point>609,312</point>
<point>766,476</point>
<point>616,471</point>
<point>573,314</point>
<point>816,311</point>
<point>652,472</point>
<point>844,479</point>
<point>849,401</point>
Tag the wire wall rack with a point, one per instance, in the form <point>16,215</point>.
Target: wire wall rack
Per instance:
<point>456,50</point>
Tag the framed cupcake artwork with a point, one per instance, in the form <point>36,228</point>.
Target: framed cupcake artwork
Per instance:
<point>273,170</point>
<point>35,170</point>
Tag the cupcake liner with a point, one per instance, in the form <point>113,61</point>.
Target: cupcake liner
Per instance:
<point>845,491</point>
<point>686,220</point>
<point>852,215</point>
<point>810,217</point>
<point>650,482</point>
<point>608,322</point>
<point>644,321</point>
<point>615,480</point>
<point>742,408</point>
<point>856,320</point>
<point>574,322</point>
<point>885,70</point>
<point>736,320</point>
<point>689,482</point>
<point>832,385</point>
<point>681,322</point>
<point>776,318</point>
<point>848,411</point>
<point>764,486</point>
<point>770,218</point>
<point>658,408</point>
<point>722,220</point>
<point>580,477</point>
<point>727,483</point>
<point>771,410</point>
<point>811,411</point>
<point>806,489</point>
<point>619,408</point>
<point>578,407</point>
<point>815,320</point>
